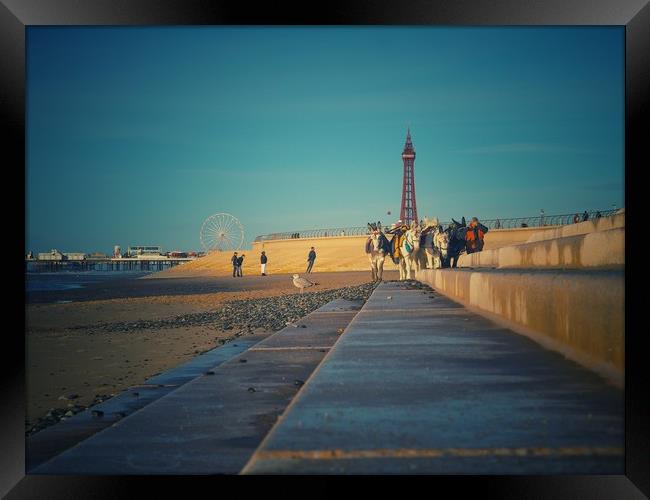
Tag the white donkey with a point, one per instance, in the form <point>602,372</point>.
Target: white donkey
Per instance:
<point>409,250</point>
<point>377,247</point>
<point>441,242</point>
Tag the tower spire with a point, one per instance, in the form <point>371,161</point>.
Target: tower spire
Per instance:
<point>408,212</point>
<point>408,138</point>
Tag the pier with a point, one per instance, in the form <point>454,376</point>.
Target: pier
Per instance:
<point>153,263</point>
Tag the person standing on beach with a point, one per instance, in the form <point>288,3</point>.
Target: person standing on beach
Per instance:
<point>263,260</point>
<point>310,259</point>
<point>240,262</point>
<point>233,259</point>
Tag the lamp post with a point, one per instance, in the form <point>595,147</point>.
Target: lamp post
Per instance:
<point>541,213</point>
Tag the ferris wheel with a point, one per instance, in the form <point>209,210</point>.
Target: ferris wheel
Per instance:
<point>221,232</point>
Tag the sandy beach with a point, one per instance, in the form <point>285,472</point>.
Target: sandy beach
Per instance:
<point>74,354</point>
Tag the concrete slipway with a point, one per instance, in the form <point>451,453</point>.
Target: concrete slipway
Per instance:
<point>213,423</point>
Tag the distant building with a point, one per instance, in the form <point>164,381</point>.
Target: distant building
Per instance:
<point>75,256</point>
<point>53,254</point>
<point>117,252</point>
<point>98,255</point>
<point>144,250</point>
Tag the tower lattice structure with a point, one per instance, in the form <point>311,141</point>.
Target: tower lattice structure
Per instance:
<point>408,212</point>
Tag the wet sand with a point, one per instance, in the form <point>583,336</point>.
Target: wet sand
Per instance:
<point>197,284</point>
<point>66,356</point>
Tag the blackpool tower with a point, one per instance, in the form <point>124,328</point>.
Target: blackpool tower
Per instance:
<point>408,212</point>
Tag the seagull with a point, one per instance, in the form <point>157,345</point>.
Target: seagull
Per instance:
<point>302,283</point>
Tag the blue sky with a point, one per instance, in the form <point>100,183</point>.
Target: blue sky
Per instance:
<point>136,135</point>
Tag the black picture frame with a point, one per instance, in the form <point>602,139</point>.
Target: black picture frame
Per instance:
<point>16,15</point>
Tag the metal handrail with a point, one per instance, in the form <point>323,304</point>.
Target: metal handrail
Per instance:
<point>508,223</point>
<point>316,233</point>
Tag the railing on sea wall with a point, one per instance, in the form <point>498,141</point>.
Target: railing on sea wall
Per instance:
<point>316,233</point>
<point>509,223</point>
<point>546,220</point>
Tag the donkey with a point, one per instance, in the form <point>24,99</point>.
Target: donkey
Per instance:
<point>441,244</point>
<point>430,250</point>
<point>457,232</point>
<point>409,250</point>
<point>377,247</point>
<point>398,231</point>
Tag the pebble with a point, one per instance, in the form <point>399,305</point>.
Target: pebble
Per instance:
<point>55,415</point>
<point>247,315</point>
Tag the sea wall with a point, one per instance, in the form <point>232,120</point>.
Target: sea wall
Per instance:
<point>588,250</point>
<point>564,288</point>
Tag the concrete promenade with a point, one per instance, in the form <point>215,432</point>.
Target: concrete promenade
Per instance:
<point>214,422</point>
<point>418,384</point>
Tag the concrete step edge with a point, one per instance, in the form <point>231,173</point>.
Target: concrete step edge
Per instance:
<point>602,249</point>
<point>306,384</point>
